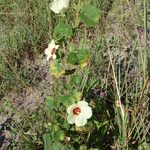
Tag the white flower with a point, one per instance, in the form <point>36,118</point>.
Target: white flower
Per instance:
<point>79,113</point>
<point>58,5</point>
<point>51,50</point>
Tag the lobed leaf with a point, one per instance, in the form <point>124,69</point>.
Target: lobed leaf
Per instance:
<point>83,57</point>
<point>47,142</point>
<point>63,30</point>
<point>72,58</point>
<point>89,15</point>
<point>56,69</point>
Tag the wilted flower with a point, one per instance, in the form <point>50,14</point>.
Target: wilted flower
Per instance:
<point>79,113</point>
<point>67,139</point>
<point>58,5</point>
<point>102,94</point>
<point>98,93</point>
<point>95,91</point>
<point>51,50</point>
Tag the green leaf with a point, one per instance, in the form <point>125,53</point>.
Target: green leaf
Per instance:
<point>92,82</point>
<point>68,147</point>
<point>76,79</point>
<point>72,58</point>
<point>57,146</point>
<point>49,103</point>
<point>60,55</point>
<point>83,57</point>
<point>47,142</point>
<point>101,124</point>
<point>89,15</point>
<point>83,147</point>
<point>58,135</point>
<point>75,96</point>
<point>56,69</point>
<point>102,127</point>
<point>63,30</point>
<point>64,100</point>
<point>66,125</point>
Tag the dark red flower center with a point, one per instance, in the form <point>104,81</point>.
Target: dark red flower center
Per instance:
<point>76,111</point>
<point>53,51</point>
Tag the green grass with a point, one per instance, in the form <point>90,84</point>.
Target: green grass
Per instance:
<point>118,67</point>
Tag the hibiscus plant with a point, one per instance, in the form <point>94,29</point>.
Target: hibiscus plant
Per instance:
<point>70,111</point>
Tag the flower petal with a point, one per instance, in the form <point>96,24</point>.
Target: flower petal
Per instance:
<point>48,54</point>
<point>71,119</point>
<point>82,103</point>
<point>58,5</point>
<point>47,51</point>
<point>54,56</point>
<point>48,57</point>
<point>87,111</point>
<point>80,120</point>
<point>52,44</point>
<point>54,6</point>
<point>63,4</point>
<point>70,109</point>
<point>56,46</point>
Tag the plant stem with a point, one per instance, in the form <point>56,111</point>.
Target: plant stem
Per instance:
<point>145,38</point>
<point>77,14</point>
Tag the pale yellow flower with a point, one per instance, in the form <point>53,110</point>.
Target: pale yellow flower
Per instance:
<point>51,50</point>
<point>58,5</point>
<point>79,113</point>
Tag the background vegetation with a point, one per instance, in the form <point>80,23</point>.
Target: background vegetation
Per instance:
<point>115,82</point>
